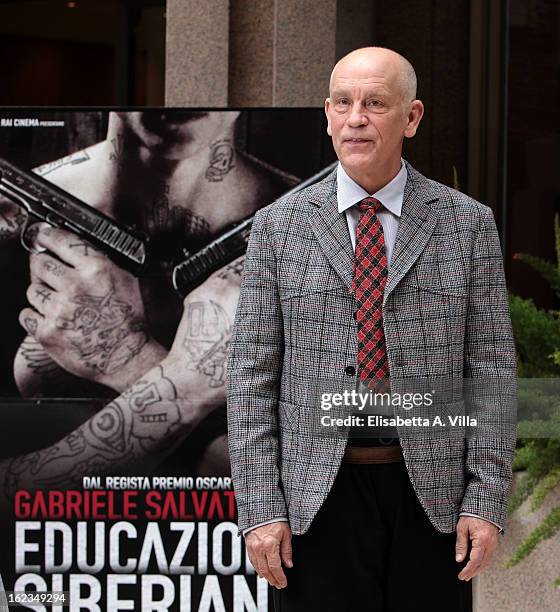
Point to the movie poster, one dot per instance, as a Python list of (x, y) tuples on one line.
[(115, 489)]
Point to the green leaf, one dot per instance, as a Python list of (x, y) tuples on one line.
[(544, 487), (523, 490), (523, 457), (545, 530)]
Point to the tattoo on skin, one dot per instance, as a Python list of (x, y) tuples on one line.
[(11, 222), (19, 218), (68, 474), (69, 160), (108, 432), (153, 418), (221, 161), (144, 421), (44, 294), (107, 335), (72, 476), (157, 417), (118, 148), (36, 358), (194, 225), (87, 249), (235, 268), (52, 267), (31, 233), (160, 217), (169, 225), (207, 340), (30, 467), (30, 325)]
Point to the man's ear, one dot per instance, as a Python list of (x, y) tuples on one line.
[(415, 114), (327, 106)]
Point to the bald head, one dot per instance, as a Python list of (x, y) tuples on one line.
[(397, 65)]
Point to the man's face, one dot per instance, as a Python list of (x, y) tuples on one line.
[(367, 116)]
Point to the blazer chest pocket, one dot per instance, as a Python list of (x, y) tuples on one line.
[(432, 315), (454, 292), (448, 300), (308, 275), (441, 312), (420, 297), (439, 278)]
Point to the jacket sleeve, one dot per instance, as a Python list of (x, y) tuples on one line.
[(253, 377), (489, 361)]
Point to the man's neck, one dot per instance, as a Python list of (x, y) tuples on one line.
[(152, 168), (374, 181)]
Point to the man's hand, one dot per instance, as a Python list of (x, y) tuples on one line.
[(86, 312), (484, 537), (269, 546)]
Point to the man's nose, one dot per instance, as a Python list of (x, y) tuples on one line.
[(357, 116)]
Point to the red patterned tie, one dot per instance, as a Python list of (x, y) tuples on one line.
[(370, 276)]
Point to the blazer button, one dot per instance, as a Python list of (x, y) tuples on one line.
[(350, 370)]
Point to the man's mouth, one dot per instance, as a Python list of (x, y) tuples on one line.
[(357, 140)]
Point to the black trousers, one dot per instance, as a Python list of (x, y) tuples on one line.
[(371, 548)]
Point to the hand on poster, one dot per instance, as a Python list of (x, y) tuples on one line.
[(86, 312), (269, 547)]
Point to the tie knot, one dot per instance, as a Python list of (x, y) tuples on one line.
[(369, 203)]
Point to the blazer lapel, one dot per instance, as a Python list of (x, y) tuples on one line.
[(331, 229), (416, 225)]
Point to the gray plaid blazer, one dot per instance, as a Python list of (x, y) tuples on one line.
[(445, 314)]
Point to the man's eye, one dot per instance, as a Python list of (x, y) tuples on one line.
[(374, 103), (342, 102)]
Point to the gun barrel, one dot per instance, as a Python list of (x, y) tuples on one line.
[(197, 267)]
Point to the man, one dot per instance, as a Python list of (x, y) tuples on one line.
[(375, 272), (94, 330)]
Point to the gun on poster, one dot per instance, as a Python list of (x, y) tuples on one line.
[(127, 247)]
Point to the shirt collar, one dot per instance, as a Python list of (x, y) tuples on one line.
[(348, 192)]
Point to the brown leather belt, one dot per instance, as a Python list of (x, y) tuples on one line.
[(372, 454)]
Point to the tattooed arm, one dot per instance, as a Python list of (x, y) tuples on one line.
[(140, 427), (133, 428)]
